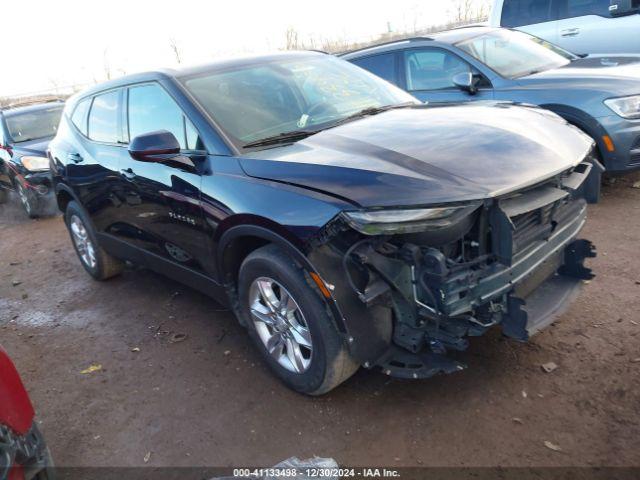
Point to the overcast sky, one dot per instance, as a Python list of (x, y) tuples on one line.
[(48, 43)]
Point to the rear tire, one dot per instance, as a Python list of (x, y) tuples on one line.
[(326, 362), (4, 195), (95, 260)]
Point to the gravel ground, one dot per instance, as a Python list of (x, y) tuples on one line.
[(207, 400)]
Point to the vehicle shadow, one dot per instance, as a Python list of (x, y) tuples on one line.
[(12, 213)]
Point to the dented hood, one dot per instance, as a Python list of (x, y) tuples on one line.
[(427, 155)]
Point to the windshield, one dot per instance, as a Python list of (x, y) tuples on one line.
[(515, 54), (33, 124), (288, 95)]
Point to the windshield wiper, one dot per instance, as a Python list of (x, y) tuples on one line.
[(281, 138), (369, 111), (300, 134)]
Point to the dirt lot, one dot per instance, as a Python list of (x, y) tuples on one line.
[(208, 400)]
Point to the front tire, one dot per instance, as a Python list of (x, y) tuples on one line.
[(28, 200), (289, 323), (95, 260)]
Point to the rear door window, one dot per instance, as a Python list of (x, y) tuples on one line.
[(103, 117), (516, 13), (432, 69), (151, 108), (383, 65)]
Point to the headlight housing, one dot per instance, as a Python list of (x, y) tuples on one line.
[(409, 220), (626, 107), (35, 164)]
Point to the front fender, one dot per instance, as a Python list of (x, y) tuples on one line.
[(292, 248)]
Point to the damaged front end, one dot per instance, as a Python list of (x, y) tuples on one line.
[(412, 289)]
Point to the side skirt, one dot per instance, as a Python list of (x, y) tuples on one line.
[(186, 276)]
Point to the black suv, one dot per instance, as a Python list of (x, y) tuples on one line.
[(345, 223), (25, 132)]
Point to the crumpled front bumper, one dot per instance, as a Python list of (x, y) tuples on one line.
[(553, 279), (404, 306)]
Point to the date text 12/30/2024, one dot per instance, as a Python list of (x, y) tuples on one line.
[(316, 473)]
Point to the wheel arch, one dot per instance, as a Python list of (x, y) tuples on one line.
[(239, 241), (64, 196)]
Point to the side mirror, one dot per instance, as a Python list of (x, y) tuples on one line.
[(156, 146), (619, 8), (467, 82)]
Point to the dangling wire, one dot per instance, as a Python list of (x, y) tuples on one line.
[(345, 267)]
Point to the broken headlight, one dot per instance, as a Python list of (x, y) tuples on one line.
[(409, 220)]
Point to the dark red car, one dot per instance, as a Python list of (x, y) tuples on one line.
[(23, 452)]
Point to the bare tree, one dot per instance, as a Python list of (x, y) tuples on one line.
[(54, 83), (469, 11), (176, 51), (293, 41), (106, 65)]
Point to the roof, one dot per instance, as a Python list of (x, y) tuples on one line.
[(193, 71), (236, 62), (385, 44), (447, 36), (462, 33)]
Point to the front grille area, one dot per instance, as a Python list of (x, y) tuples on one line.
[(531, 226), (533, 215)]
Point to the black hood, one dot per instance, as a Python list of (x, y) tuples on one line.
[(428, 155)]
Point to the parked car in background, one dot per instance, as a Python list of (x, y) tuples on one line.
[(580, 26), (23, 451), (25, 132), (343, 221), (600, 95)]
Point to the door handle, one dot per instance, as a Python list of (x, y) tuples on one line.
[(74, 157), (570, 32), (128, 173)]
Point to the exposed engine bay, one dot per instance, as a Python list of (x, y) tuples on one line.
[(512, 261)]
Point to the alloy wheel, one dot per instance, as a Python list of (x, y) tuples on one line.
[(83, 243), (280, 324)]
